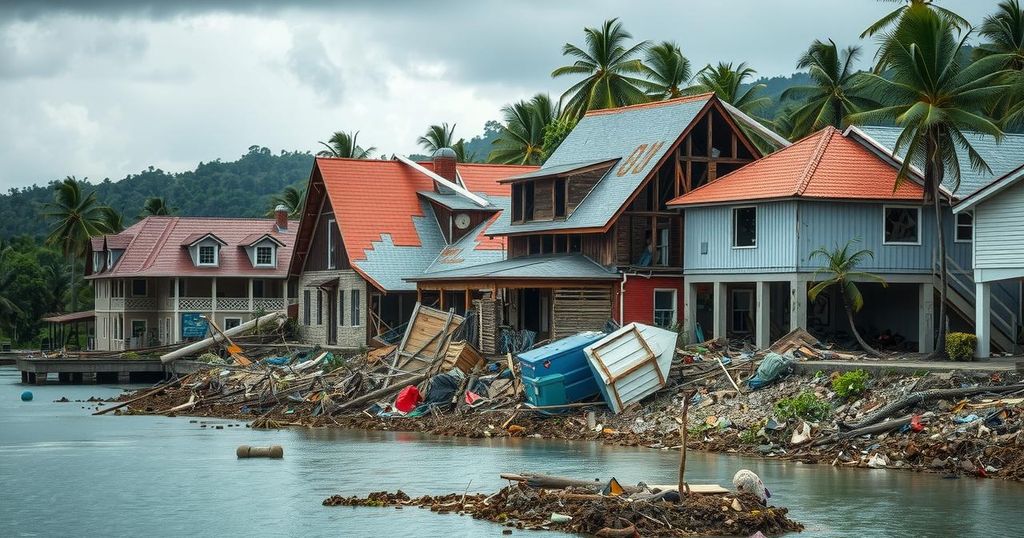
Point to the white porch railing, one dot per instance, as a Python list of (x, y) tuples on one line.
[(117, 303), (201, 304), (140, 303), (268, 304)]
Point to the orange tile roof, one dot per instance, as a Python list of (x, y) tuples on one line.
[(823, 165), (375, 197)]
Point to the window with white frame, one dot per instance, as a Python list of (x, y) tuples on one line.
[(97, 262), (744, 227), (207, 255), (231, 323), (331, 258), (265, 255), (665, 308), (902, 225), (964, 227), (110, 259)]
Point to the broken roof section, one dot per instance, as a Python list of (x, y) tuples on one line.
[(824, 165), (547, 267), (383, 212)]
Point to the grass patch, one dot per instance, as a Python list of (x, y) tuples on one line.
[(850, 384), (805, 405)]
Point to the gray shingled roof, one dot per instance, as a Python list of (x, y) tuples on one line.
[(548, 266), (463, 253), (605, 136), (389, 264), (1002, 157), (453, 201), (559, 169)]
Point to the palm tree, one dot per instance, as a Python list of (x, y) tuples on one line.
[(292, 198), (111, 220), (728, 84), (76, 218), (155, 206), (833, 94), (667, 71), (442, 136), (892, 18), (1004, 35), (933, 98), (608, 68), (8, 307), (521, 139), (841, 266), (345, 145)]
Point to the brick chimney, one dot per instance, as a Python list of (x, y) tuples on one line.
[(444, 163), (281, 217)]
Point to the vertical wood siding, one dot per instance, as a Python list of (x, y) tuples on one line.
[(776, 240)]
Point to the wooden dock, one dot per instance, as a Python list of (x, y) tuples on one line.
[(114, 370)]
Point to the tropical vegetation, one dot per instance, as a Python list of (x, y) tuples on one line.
[(833, 95), (840, 271), (345, 145)]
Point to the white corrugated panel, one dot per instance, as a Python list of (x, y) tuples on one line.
[(631, 363)]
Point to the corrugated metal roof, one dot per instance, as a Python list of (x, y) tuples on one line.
[(614, 134), (548, 266), (1002, 157)]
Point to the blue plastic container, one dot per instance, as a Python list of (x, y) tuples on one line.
[(565, 359)]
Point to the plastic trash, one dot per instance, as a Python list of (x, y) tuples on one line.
[(560, 518), (770, 369), (407, 399), (26, 396), (966, 420)]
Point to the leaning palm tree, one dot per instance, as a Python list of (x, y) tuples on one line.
[(730, 85), (934, 98), (833, 94), (521, 138), (1004, 36), (841, 268), (667, 70), (292, 198), (111, 220), (156, 206), (345, 145), (76, 218), (892, 18), (609, 69)]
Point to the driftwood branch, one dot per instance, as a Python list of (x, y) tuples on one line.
[(867, 430), (916, 398)]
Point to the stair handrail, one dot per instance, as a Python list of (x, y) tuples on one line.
[(1009, 325)]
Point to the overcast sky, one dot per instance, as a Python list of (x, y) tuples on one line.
[(106, 88)]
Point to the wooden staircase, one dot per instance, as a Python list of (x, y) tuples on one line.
[(961, 296)]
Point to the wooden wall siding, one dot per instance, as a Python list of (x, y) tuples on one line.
[(999, 230), (317, 260), (824, 224), (543, 200), (594, 247), (577, 310), (776, 241), (580, 186)]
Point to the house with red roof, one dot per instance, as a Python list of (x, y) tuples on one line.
[(370, 225), (161, 279), (751, 234), (590, 236)]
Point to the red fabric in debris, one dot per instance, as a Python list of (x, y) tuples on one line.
[(408, 399), (471, 397)]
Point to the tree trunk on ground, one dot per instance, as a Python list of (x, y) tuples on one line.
[(856, 333)]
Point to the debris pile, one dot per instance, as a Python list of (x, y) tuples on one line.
[(643, 511)]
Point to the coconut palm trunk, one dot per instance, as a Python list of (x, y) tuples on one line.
[(936, 170), (853, 328)]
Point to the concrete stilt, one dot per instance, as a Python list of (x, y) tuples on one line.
[(690, 311), (797, 304), (720, 303), (40, 378), (926, 318), (762, 330), (982, 321)]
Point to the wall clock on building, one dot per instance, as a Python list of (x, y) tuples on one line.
[(462, 221)]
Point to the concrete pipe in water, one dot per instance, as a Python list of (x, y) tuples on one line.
[(273, 451)]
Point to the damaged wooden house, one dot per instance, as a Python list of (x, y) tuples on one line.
[(589, 235)]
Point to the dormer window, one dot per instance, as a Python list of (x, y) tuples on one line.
[(265, 256), (97, 262), (207, 255)]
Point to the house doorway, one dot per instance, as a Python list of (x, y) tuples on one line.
[(742, 311), (332, 317), (138, 333)]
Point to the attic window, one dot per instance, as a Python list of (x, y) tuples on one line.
[(207, 255), (265, 256), (522, 201), (97, 262)]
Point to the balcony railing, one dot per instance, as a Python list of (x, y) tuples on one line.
[(197, 304), (268, 304)]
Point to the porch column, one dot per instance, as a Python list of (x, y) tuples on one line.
[(284, 296), (982, 322), (762, 334), (176, 323), (720, 303), (213, 296), (926, 318), (251, 304), (797, 304), (690, 311)]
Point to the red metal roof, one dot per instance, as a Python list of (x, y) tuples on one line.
[(154, 247), (374, 197), (823, 165)]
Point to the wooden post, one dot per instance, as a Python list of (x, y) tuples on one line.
[(684, 427), (440, 292), (469, 299)]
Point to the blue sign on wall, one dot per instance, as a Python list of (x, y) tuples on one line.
[(192, 325)]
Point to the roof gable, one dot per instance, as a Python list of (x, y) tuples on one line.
[(825, 165)]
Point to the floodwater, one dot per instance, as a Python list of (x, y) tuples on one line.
[(64, 472)]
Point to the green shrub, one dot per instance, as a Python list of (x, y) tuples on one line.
[(961, 346), (850, 383), (805, 405), (131, 355)]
